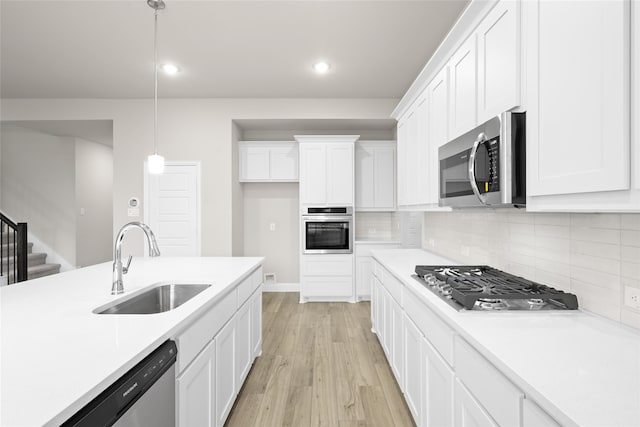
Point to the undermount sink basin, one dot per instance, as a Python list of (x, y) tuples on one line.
[(158, 299)]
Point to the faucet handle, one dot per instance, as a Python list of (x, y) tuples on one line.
[(125, 269)]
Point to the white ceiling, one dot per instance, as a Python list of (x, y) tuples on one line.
[(247, 49)]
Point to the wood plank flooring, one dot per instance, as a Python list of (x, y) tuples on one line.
[(320, 366)]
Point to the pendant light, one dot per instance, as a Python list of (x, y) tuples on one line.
[(155, 162)]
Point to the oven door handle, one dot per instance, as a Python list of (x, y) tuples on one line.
[(472, 167)]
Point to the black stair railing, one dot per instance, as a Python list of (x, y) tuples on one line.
[(13, 250)]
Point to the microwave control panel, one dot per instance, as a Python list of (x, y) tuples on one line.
[(488, 166)]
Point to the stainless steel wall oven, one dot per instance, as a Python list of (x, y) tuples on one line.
[(327, 230)]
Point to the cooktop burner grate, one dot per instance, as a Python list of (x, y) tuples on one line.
[(470, 284)]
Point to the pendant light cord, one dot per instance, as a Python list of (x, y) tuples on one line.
[(155, 96)]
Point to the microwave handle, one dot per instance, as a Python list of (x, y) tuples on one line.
[(472, 167)]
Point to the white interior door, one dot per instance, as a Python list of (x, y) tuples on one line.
[(173, 208)]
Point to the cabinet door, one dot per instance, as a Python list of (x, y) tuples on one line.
[(413, 163), (374, 304), (437, 388), (422, 153), (439, 108), (339, 174), (403, 159), (499, 60), (364, 276), (365, 176), (468, 412), (578, 96), (254, 163), (463, 89), (386, 322), (414, 377), (534, 416), (256, 324), (313, 174), (243, 342), (225, 383), (196, 391), (384, 179), (396, 342), (284, 162)]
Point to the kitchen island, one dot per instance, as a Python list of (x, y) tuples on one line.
[(57, 354), (526, 368)]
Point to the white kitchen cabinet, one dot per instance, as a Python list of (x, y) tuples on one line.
[(225, 376), (375, 303), (243, 341), (437, 388), (386, 322), (365, 266), (463, 89), (327, 277), (497, 395), (375, 177), (534, 416), (256, 324), (396, 341), (268, 161), (414, 377), (340, 174), (438, 93), (414, 156), (326, 170), (578, 92), (467, 411), (195, 388), (499, 60)]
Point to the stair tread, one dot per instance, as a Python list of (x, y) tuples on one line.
[(43, 267), (29, 256)]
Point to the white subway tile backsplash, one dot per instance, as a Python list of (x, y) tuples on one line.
[(630, 221), (591, 255), (631, 238), (595, 220)]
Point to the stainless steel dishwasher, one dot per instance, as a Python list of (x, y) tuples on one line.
[(143, 397)]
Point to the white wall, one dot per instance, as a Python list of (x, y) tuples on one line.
[(38, 182), (237, 225), (189, 129), (594, 256), (93, 194), (277, 203)]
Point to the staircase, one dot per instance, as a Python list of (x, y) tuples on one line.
[(36, 262)]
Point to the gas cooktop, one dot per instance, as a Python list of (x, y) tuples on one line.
[(483, 288)]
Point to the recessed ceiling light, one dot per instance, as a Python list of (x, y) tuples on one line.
[(169, 69), (321, 67)]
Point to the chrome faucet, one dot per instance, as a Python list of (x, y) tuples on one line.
[(117, 286)]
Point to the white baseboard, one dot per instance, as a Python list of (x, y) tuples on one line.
[(281, 287)]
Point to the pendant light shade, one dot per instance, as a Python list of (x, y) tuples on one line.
[(155, 162)]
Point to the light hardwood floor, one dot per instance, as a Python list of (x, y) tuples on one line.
[(320, 366)]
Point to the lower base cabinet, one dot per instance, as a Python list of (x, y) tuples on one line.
[(437, 388), (467, 411), (225, 371), (413, 368), (208, 383), (196, 390)]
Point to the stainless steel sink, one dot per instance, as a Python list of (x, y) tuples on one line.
[(158, 299)]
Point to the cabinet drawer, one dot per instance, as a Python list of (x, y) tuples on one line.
[(393, 285), (377, 269), (327, 265), (323, 286), (200, 332), (250, 284), (496, 394), (439, 334)]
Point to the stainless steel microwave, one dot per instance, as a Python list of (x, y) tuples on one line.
[(486, 166)]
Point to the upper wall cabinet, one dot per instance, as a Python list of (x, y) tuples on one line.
[(375, 175), (268, 161), (463, 89), (578, 97), (498, 38), (327, 170)]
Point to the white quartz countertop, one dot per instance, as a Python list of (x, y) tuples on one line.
[(582, 369), (56, 354)]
